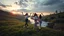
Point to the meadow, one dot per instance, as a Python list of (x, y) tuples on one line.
[(10, 26)]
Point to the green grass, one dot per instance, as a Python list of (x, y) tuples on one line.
[(10, 26), (16, 28)]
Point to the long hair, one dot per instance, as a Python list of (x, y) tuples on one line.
[(35, 14), (40, 16), (26, 14)]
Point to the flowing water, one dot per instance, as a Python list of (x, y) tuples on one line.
[(44, 24)]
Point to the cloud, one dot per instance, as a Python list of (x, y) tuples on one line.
[(49, 5), (2, 4), (27, 4), (39, 5), (24, 10), (52, 2)]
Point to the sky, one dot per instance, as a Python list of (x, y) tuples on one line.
[(36, 5)]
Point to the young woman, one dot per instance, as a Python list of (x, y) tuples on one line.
[(35, 17), (26, 19), (40, 20)]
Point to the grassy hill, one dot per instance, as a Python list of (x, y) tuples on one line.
[(10, 26), (56, 21), (58, 16)]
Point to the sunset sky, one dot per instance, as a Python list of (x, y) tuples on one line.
[(35, 5)]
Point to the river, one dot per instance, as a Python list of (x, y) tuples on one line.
[(44, 24)]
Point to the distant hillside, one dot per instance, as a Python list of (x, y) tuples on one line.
[(5, 15), (8, 18), (56, 20)]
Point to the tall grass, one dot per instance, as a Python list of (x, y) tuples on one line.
[(16, 28)]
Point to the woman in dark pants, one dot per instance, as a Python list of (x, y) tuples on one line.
[(26, 20), (40, 20)]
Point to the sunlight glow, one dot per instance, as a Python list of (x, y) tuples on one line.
[(16, 13)]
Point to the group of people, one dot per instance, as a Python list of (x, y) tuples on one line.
[(37, 19)]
